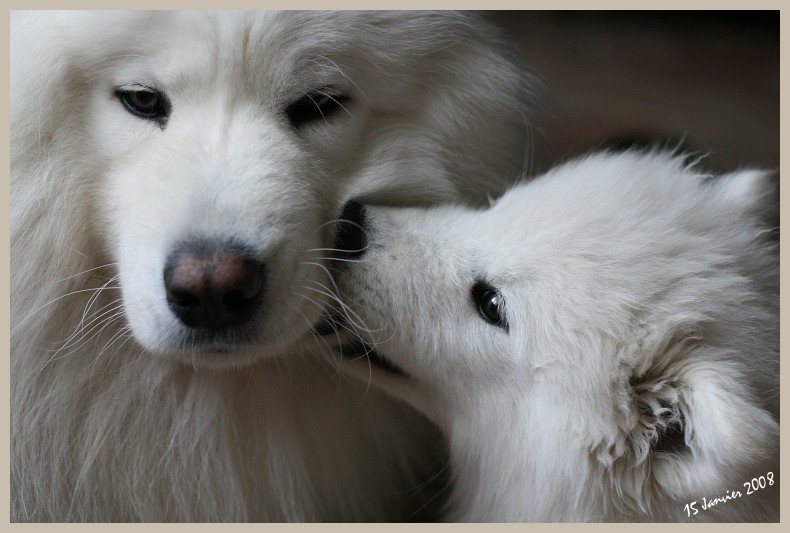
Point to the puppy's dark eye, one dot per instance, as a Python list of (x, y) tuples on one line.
[(490, 304), (315, 106), (145, 103)]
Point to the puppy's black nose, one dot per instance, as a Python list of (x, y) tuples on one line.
[(350, 240), (213, 285)]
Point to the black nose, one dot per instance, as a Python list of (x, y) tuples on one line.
[(213, 285), (350, 241)]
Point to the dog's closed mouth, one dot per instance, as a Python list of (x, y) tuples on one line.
[(213, 341), (357, 349), (331, 324)]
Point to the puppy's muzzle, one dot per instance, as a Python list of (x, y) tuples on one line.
[(213, 285), (350, 243), (350, 240)]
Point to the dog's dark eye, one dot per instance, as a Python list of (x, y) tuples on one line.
[(314, 106), (489, 304), (145, 103)]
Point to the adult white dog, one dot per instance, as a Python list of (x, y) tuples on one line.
[(175, 178), (601, 344)]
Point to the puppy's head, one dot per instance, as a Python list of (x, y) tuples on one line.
[(621, 300)]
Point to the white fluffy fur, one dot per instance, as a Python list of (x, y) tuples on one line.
[(640, 296), (115, 417)]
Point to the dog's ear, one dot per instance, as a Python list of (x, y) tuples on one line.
[(696, 426), (660, 422), (754, 193), (653, 410)]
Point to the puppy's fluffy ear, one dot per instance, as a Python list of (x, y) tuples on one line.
[(696, 428), (659, 411), (754, 193)]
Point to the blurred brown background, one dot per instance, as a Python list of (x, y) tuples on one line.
[(710, 78)]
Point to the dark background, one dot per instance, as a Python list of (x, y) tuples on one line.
[(710, 78)]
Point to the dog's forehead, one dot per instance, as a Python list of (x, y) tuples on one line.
[(196, 48), (274, 52), (199, 49)]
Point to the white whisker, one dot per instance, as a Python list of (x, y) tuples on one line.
[(33, 313)]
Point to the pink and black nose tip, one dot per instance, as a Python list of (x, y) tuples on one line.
[(350, 240), (213, 285)]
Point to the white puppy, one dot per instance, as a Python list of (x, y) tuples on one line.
[(175, 181), (601, 344)]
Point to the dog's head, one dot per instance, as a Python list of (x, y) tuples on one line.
[(219, 148), (622, 300)]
